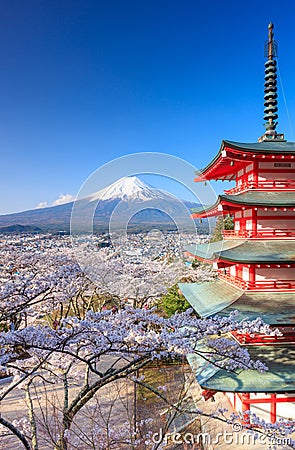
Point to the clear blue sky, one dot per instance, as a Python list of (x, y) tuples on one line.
[(86, 81)]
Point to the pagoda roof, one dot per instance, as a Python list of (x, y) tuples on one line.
[(250, 198), (246, 251), (260, 198), (212, 250), (217, 297), (279, 378), (264, 146), (220, 168)]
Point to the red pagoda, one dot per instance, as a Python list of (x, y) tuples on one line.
[(255, 262)]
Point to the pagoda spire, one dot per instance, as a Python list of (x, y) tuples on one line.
[(270, 90)]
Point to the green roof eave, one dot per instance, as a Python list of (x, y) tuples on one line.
[(258, 198), (263, 147), (264, 252), (279, 378), (247, 252), (210, 297), (251, 198), (217, 297), (212, 250), (206, 208)]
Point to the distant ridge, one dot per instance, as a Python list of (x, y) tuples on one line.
[(20, 229), (127, 195)]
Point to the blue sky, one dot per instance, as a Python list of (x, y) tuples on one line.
[(85, 81)]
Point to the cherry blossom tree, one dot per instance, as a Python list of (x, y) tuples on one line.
[(138, 284), (105, 347), (48, 281), (81, 355), (35, 283)]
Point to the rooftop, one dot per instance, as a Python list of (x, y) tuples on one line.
[(220, 166), (250, 198), (246, 251), (261, 147), (258, 198), (218, 297), (279, 378)]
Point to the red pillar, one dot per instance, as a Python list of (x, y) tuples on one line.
[(245, 407), (239, 271), (254, 222), (273, 409), (252, 277), (255, 174)]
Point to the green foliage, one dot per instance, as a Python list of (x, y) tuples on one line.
[(196, 264), (222, 223), (228, 222), (173, 302)]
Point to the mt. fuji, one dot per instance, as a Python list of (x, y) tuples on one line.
[(128, 189), (129, 201)]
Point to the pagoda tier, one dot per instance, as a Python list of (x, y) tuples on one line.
[(250, 265), (255, 214), (245, 251), (258, 165), (229, 204), (278, 379), (217, 297)]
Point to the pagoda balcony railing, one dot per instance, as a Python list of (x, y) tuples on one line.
[(233, 280), (270, 285), (286, 185), (263, 339), (282, 233)]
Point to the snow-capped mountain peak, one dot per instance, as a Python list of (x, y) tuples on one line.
[(128, 188), (130, 198)]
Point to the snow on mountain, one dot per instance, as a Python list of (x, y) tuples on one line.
[(132, 200), (129, 189)]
